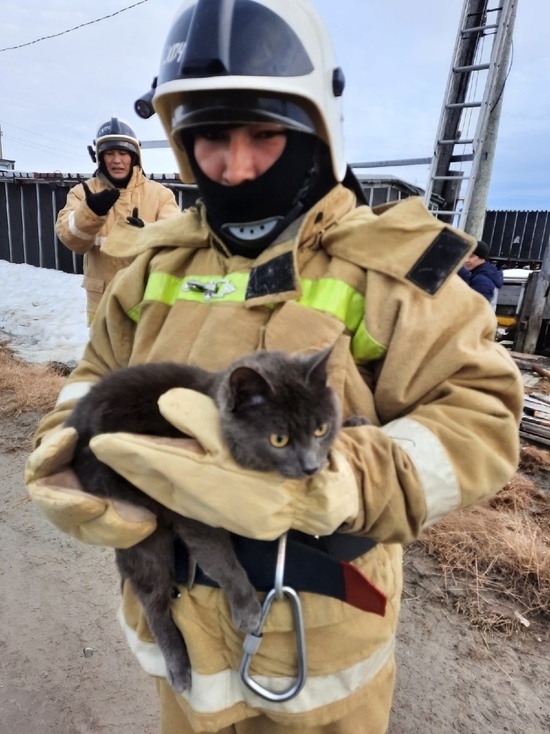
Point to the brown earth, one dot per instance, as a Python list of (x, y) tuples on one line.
[(59, 597)]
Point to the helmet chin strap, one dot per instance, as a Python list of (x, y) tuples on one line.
[(250, 216)]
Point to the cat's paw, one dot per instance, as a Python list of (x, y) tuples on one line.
[(178, 668), (356, 420), (178, 673), (247, 614)]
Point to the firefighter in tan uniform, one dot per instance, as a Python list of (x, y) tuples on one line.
[(281, 254), (118, 190)]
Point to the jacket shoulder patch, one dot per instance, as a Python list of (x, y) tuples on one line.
[(435, 265)]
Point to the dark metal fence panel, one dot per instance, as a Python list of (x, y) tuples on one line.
[(28, 210), (15, 224), (517, 238), (4, 228), (28, 214)]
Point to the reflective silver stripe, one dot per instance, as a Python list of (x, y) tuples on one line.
[(439, 481), (219, 691), (77, 232), (73, 391)]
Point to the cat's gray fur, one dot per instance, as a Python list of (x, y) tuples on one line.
[(265, 394)]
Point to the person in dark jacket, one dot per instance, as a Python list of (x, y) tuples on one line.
[(481, 275)]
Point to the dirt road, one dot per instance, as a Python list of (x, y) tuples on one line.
[(59, 597)]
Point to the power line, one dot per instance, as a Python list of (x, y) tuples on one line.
[(70, 30), (38, 147), (54, 140)]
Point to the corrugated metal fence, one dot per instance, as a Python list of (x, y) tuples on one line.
[(29, 204), (517, 238)]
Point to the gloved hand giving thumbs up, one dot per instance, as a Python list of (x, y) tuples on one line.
[(101, 202), (135, 220)]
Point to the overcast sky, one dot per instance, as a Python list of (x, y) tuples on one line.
[(395, 55)]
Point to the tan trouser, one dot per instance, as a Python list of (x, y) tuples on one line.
[(174, 721)]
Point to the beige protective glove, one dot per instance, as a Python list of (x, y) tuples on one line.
[(58, 494), (207, 485)]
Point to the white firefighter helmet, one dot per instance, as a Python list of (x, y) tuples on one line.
[(250, 60), (115, 133)]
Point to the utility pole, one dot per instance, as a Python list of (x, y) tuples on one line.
[(532, 321)]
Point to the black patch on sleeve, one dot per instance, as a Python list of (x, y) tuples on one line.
[(435, 265), (275, 276)]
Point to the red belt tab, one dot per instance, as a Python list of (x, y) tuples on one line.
[(362, 593)]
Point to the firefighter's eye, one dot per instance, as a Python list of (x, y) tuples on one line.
[(321, 431)]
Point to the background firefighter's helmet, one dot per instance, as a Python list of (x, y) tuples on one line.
[(115, 133), (247, 61)]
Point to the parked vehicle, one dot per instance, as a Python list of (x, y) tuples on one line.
[(510, 296)]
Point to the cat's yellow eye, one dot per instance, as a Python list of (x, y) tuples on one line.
[(278, 440), (321, 431)]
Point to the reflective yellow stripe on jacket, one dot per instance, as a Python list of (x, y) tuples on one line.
[(327, 294)]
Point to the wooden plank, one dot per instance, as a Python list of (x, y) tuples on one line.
[(535, 420), (540, 396), (535, 402), (529, 407), (541, 371), (538, 414), (524, 355), (534, 408), (534, 439), (529, 412), (524, 365), (536, 430)]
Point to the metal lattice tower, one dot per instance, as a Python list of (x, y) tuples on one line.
[(474, 89)]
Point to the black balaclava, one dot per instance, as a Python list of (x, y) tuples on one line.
[(118, 183), (250, 216)]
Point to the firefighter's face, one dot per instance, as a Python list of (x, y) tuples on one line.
[(232, 155), (118, 162)]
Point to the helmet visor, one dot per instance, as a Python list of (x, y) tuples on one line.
[(116, 144), (238, 107)]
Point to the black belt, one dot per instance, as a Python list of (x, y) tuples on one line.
[(317, 565)]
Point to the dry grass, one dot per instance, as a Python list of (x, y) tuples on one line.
[(534, 461), (25, 387), (499, 555)]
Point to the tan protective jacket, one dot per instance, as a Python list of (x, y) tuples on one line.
[(415, 353), (84, 232)]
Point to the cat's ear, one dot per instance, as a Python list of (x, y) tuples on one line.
[(247, 387), (317, 366)]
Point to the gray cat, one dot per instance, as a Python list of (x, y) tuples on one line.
[(276, 413)]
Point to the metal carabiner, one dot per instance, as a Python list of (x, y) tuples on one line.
[(280, 568), (252, 640)]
